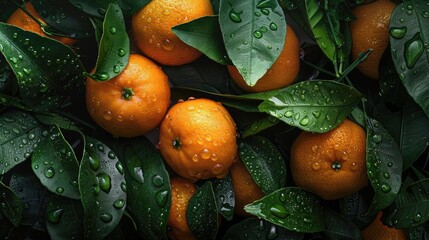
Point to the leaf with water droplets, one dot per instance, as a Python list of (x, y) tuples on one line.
[(339, 227), (55, 164), (384, 165), (201, 214), (316, 106), (292, 208), (7, 82), (114, 46), (203, 34), (264, 162), (409, 49), (225, 197), (259, 125), (101, 185), (64, 218), (10, 205), (46, 70), (252, 45), (59, 120)]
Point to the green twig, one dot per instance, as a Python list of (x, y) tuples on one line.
[(362, 56)]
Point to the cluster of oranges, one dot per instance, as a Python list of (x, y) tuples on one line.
[(198, 137)]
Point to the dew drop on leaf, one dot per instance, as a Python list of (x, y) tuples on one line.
[(104, 182), (59, 190), (413, 49), (279, 211), (118, 204), (50, 172), (161, 198), (157, 180), (94, 163), (55, 216), (106, 217), (398, 32), (235, 16)]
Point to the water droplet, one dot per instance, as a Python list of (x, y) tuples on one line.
[(386, 175), (157, 180), (112, 30), (353, 166), (235, 16), (205, 154), (279, 211), (116, 68), (50, 172), (124, 187), (107, 115), (161, 198), (398, 32), (43, 87), (94, 163), (304, 121), (265, 11), (266, 4), (104, 182), (217, 169), (257, 34), (315, 166), (273, 26), (167, 44), (102, 76), (54, 217), (385, 188), (272, 233), (425, 14), (316, 114), (376, 138), (263, 29), (413, 49), (417, 217), (288, 114), (121, 52), (59, 190), (120, 168), (106, 217), (118, 204), (138, 174)]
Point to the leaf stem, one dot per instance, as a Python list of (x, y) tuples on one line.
[(318, 68), (362, 56)]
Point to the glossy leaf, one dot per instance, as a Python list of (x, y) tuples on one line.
[(98, 8), (10, 205), (355, 206), (259, 125), (408, 39), (384, 165), (201, 213), (258, 229), (46, 69), (292, 208), (20, 135), (59, 120), (6, 77), (338, 227), (204, 34), (114, 47), (316, 106), (225, 196), (254, 33), (101, 185), (64, 218), (264, 162), (55, 164)]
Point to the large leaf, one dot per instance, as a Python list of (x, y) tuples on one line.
[(409, 35), (54, 162), (101, 185), (254, 33), (292, 208), (316, 106), (114, 47), (10, 205), (46, 70), (204, 34), (264, 162), (21, 133)]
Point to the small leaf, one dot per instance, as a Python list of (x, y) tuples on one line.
[(316, 106), (102, 185), (10, 205), (254, 33), (201, 213), (338, 227), (114, 48), (292, 208), (54, 162), (384, 165), (264, 162), (225, 196)]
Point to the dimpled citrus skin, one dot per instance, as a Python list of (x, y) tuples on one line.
[(198, 139), (281, 74), (331, 164), (371, 30), (151, 28), (377, 230)]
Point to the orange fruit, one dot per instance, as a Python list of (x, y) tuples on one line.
[(132, 103), (245, 188), (21, 19), (281, 74), (331, 164), (371, 30), (182, 190), (151, 27), (376, 230), (198, 139)]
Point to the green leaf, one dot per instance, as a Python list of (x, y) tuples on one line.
[(55, 164), (59, 120), (316, 106), (98, 8), (225, 196), (64, 218), (264, 163), (7, 80), (201, 213), (10, 205), (148, 187), (384, 165), (292, 208), (102, 188), (114, 48), (46, 70), (296, 9), (338, 227), (254, 33), (354, 208), (259, 125), (408, 38), (258, 229), (7, 7), (204, 34), (20, 135)]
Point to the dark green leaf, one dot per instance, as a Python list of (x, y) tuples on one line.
[(10, 205), (264, 162), (6, 77), (316, 106), (259, 125), (254, 33), (98, 8), (55, 164), (292, 208), (338, 227), (20, 135), (114, 48), (201, 213), (204, 34), (417, 233), (384, 165), (7, 7), (102, 188), (355, 206), (46, 70), (59, 120), (408, 40), (259, 229), (64, 218), (148, 187), (296, 9), (225, 196)]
